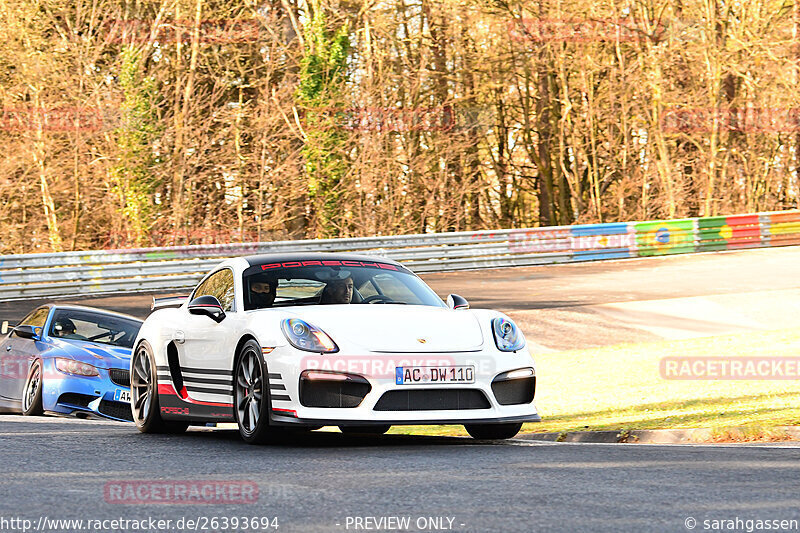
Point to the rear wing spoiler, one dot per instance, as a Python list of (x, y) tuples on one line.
[(166, 302)]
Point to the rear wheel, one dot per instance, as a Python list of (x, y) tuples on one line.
[(32, 393), (493, 431), (144, 394), (365, 430), (251, 405)]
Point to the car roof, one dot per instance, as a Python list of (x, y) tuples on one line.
[(315, 256), (93, 310)]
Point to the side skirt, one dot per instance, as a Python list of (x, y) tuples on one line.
[(174, 407)]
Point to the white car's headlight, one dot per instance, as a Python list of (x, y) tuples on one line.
[(507, 336), (304, 336)]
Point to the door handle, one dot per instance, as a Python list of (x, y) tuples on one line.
[(179, 337), (8, 348)]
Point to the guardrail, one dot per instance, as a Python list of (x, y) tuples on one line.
[(71, 274)]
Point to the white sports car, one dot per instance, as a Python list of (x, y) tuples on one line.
[(310, 340)]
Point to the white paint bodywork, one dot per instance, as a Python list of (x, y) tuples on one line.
[(372, 341)]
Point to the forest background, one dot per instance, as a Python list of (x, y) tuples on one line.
[(165, 122)]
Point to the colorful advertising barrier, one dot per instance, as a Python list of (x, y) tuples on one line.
[(180, 267)]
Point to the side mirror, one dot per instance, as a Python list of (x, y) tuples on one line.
[(26, 332), (209, 306), (454, 301), (4, 327)]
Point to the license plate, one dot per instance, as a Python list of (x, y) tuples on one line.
[(417, 375), (122, 395)]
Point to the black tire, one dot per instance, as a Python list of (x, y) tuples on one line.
[(251, 399), (32, 392), (493, 431), (144, 394), (365, 430)]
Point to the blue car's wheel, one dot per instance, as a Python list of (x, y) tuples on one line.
[(144, 394), (32, 393)]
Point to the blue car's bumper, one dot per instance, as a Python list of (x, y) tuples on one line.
[(73, 394)]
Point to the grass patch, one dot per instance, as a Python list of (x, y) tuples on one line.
[(620, 387)]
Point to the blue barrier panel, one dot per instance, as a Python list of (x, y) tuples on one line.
[(603, 241)]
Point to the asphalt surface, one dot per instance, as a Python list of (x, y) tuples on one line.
[(62, 469), (68, 468)]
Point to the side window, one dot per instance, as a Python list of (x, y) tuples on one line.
[(219, 285), (36, 318)]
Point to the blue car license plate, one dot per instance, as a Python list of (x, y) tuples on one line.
[(122, 395)]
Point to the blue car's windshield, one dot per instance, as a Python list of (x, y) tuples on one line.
[(75, 324)]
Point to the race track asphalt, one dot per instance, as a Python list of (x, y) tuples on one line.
[(63, 468), (67, 468)]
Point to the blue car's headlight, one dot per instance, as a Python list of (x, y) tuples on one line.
[(304, 336), (507, 336), (71, 366)]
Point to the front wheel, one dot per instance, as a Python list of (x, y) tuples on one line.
[(493, 431), (32, 393), (251, 404), (144, 394)]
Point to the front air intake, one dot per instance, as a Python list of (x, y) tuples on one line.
[(332, 390), (514, 391), (120, 376), (432, 400)]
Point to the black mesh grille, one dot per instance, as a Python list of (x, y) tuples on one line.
[(514, 391), (116, 409), (78, 400), (325, 393), (432, 400), (120, 376)]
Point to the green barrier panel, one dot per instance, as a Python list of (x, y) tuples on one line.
[(665, 237), (712, 234)]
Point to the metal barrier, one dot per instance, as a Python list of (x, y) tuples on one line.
[(71, 274)]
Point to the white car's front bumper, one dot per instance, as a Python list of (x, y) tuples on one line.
[(406, 404)]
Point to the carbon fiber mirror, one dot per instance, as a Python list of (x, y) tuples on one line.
[(209, 306), (454, 301)]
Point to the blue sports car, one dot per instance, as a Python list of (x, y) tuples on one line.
[(66, 359)]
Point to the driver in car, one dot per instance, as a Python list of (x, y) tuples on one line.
[(262, 292), (338, 291), (65, 328)]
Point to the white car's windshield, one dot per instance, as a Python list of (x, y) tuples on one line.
[(333, 282)]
